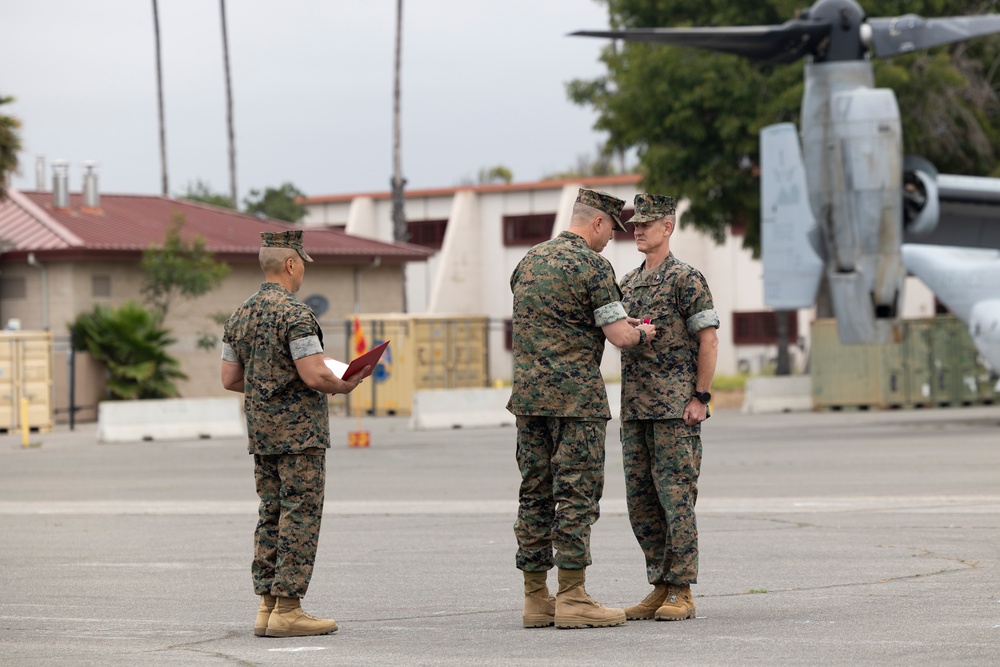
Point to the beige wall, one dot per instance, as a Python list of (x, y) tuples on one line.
[(379, 290)]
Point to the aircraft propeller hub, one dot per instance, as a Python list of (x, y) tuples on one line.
[(842, 14)]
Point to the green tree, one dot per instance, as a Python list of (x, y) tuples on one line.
[(10, 145), (694, 116), (281, 203), (133, 348), (178, 268), (495, 174), (201, 191)]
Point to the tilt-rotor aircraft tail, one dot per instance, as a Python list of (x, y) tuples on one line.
[(966, 280), (849, 183)]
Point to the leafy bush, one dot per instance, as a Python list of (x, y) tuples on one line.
[(133, 347)]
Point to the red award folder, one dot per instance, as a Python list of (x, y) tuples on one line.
[(369, 358)]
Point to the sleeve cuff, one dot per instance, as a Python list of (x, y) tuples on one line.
[(305, 347), (229, 354), (612, 312), (702, 320)]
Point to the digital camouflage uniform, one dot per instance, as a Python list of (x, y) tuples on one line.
[(662, 455), (289, 430), (564, 292)]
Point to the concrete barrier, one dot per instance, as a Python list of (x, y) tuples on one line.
[(470, 408), (170, 419), (787, 393), (460, 408)]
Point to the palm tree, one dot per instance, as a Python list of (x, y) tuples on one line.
[(159, 92), (229, 107), (10, 144), (133, 349)]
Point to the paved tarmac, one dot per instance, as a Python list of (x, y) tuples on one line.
[(826, 539)]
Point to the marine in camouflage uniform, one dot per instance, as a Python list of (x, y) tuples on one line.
[(661, 413), (288, 425), (564, 294)]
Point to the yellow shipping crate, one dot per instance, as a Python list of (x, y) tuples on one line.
[(425, 352), (26, 373)]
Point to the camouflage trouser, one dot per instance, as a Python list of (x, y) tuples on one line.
[(291, 488), (562, 478), (662, 461)]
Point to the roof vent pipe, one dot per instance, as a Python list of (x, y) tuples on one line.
[(91, 193), (60, 183), (40, 173)]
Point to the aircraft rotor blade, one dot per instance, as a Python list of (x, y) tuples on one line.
[(904, 34), (783, 43)]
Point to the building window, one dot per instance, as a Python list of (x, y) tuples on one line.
[(13, 288), (100, 286), (519, 230), (427, 233), (761, 328), (625, 217)]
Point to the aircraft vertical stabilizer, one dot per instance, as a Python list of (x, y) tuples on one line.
[(792, 269)]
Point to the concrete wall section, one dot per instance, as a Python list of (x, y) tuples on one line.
[(457, 286), (460, 408), (361, 218), (170, 419), (766, 395)]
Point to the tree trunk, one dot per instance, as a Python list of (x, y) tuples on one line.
[(229, 109), (159, 93)]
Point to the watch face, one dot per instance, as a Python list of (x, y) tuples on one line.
[(703, 396)]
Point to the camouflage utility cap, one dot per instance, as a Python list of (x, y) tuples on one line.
[(290, 239), (653, 207), (602, 201)]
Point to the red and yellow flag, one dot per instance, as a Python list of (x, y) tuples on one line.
[(358, 343)]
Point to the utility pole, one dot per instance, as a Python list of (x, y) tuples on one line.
[(399, 229), (229, 109), (159, 92)]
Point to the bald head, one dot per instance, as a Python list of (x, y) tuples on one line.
[(583, 214), (272, 260)]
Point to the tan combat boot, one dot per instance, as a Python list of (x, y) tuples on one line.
[(263, 613), (646, 609), (678, 606), (539, 606), (576, 609), (288, 620)]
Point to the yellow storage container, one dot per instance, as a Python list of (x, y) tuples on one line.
[(854, 375), (934, 363), (26, 373), (425, 352)]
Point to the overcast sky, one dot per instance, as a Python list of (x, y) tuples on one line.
[(483, 84)]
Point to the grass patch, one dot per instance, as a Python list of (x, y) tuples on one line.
[(729, 382), (755, 591)]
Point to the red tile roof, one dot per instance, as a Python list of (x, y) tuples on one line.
[(588, 181), (128, 224)]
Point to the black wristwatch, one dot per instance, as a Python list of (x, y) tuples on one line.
[(703, 396), (642, 336)]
